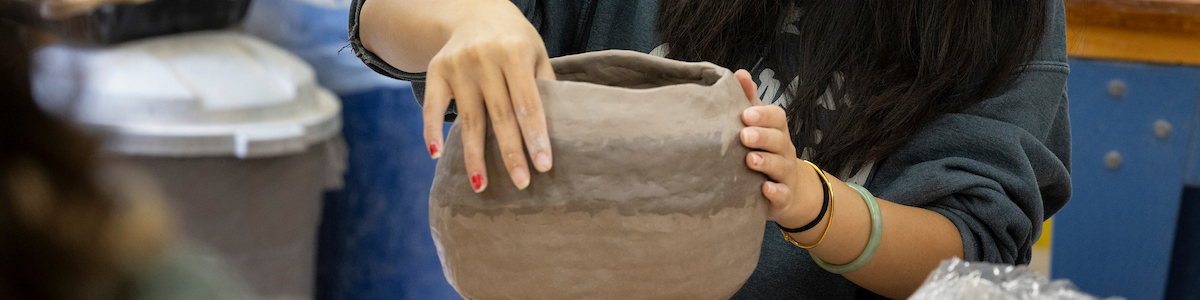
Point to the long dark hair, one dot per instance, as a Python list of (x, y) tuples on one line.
[(898, 65)]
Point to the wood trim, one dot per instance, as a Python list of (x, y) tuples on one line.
[(1160, 15), (1159, 31)]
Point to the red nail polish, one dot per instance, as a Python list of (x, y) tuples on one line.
[(433, 149), (477, 181), (757, 159)]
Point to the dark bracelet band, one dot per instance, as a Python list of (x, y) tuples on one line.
[(824, 207)]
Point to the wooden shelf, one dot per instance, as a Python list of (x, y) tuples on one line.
[(1160, 31)]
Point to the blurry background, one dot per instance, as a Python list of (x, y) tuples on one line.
[(1132, 227), (285, 159), (291, 162)]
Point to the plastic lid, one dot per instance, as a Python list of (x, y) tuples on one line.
[(198, 94)]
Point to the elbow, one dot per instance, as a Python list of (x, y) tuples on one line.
[(392, 39)]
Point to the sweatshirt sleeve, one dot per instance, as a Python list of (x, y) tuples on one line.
[(996, 171), (382, 67), (995, 180), (1000, 168)]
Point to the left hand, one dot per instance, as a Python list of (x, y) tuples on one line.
[(767, 131)]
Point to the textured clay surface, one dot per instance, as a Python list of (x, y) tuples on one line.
[(649, 197)]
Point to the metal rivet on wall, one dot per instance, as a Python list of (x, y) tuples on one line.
[(1162, 129), (1116, 88), (1112, 160)]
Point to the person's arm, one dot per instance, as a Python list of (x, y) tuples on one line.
[(483, 54), (914, 240), (975, 186)]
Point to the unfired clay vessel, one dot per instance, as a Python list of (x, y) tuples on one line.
[(649, 196)]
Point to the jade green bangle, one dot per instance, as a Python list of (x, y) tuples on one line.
[(872, 242)]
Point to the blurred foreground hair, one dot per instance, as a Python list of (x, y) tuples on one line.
[(61, 237)]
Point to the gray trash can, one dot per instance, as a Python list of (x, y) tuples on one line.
[(237, 132)]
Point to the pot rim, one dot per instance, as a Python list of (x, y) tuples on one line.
[(640, 62)]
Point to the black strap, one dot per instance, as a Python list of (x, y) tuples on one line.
[(824, 207)]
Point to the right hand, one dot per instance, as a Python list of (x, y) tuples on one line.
[(490, 65)]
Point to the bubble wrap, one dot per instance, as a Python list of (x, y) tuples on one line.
[(957, 279)]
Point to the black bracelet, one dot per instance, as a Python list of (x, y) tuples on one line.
[(824, 206)]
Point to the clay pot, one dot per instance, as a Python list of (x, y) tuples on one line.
[(649, 197)]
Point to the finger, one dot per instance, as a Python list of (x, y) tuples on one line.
[(532, 119), (769, 116), (748, 86), (504, 124), (545, 71), (473, 124), (779, 194), (777, 167), (437, 98), (767, 139)]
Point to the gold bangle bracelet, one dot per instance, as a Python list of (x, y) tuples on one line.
[(830, 212)]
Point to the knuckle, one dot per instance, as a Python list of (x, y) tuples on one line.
[(511, 43), (776, 163), (433, 121), (473, 54), (765, 136), (522, 109), (505, 50), (509, 162), (438, 62), (513, 155), (458, 58), (472, 123), (500, 115), (767, 161), (448, 63)]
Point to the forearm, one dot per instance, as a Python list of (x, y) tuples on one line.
[(408, 33), (914, 241)]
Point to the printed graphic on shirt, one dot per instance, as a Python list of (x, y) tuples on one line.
[(772, 92)]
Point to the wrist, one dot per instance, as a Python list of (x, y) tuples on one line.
[(807, 200)]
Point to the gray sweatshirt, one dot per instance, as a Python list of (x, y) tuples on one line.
[(996, 170)]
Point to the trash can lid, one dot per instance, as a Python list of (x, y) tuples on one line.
[(197, 94)]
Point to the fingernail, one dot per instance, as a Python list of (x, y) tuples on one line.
[(477, 182), (433, 151), (755, 159), (520, 178), (542, 162), (749, 135), (750, 115)]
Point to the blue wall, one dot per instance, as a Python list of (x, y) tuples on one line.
[(1116, 235)]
